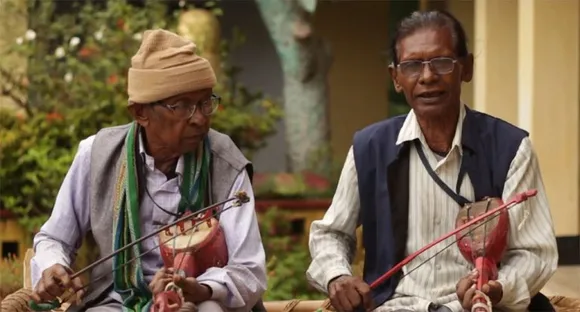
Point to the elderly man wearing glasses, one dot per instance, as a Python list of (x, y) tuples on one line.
[(406, 179), (127, 181)]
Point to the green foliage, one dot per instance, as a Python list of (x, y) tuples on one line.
[(291, 185), (74, 84), (248, 117), (288, 259), (35, 154), (318, 181)]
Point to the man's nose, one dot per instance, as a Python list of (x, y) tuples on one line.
[(198, 118), (427, 75)]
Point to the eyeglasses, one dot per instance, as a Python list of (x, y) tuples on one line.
[(439, 65), (184, 110)]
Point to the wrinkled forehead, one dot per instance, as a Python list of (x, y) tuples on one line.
[(191, 96), (426, 43)]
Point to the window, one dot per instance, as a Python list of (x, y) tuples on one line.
[(9, 249)]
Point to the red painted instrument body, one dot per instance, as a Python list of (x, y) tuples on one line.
[(483, 244), (190, 254)]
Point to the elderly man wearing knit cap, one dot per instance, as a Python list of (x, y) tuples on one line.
[(127, 181)]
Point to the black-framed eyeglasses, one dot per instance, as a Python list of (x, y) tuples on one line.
[(184, 110), (439, 65)]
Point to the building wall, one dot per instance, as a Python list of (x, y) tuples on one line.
[(527, 72), (359, 77), (13, 238)]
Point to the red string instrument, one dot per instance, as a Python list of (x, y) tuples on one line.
[(485, 251), (483, 244), (191, 247), (191, 255)]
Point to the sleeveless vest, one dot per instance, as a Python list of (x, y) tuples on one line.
[(227, 162), (489, 146)]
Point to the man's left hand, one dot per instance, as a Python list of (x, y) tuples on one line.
[(193, 291), (494, 291), (466, 290)]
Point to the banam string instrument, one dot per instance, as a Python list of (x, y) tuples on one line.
[(481, 234), (190, 245)]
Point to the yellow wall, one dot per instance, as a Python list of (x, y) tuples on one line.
[(548, 99), (358, 78), (10, 231), (464, 11), (527, 72)]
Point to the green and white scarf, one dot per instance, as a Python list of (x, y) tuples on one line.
[(129, 281)]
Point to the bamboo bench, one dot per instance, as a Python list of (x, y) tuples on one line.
[(18, 301)]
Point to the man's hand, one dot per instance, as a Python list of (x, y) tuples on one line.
[(163, 277), (466, 290), (193, 291), (55, 281), (348, 292)]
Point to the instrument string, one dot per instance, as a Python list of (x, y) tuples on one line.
[(495, 215), (214, 213)]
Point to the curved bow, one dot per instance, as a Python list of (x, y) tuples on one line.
[(518, 198), (240, 198)]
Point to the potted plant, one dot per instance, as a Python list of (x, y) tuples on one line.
[(292, 191)]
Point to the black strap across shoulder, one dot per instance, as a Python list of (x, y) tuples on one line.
[(460, 200)]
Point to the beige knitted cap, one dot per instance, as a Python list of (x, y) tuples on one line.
[(166, 65)]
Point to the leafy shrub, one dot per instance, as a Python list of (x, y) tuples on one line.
[(288, 260), (75, 83)]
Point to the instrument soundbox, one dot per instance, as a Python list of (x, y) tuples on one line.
[(191, 252), (483, 244)]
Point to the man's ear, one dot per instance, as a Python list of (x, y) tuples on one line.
[(467, 73), (393, 73), (139, 113)]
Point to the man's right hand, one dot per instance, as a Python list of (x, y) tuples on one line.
[(55, 281), (348, 293)]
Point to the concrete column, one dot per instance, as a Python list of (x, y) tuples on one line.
[(496, 58), (548, 99)]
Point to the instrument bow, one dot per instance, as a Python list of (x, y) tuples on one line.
[(479, 301), (172, 296)]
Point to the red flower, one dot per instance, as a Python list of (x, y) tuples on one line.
[(120, 23), (315, 181), (260, 178), (86, 52), (53, 116), (113, 79), (285, 178)]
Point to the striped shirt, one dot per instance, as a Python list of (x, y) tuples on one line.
[(531, 258)]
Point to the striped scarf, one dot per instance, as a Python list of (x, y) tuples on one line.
[(129, 280)]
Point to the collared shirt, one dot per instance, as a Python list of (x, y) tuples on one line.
[(238, 285), (528, 264)]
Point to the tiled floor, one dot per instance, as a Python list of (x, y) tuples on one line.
[(565, 282)]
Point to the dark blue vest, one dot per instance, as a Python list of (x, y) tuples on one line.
[(489, 145)]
